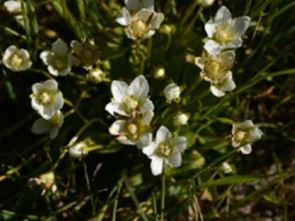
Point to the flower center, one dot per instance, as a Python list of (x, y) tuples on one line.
[(132, 128), (59, 62), (223, 34), (130, 103), (164, 149), (45, 97), (139, 28), (212, 69), (16, 60), (240, 136)]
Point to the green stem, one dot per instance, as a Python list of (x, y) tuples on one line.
[(89, 187), (163, 196)]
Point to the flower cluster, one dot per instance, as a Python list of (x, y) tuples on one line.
[(135, 111), (224, 35)]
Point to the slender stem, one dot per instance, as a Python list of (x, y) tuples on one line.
[(89, 187), (114, 217), (163, 196)]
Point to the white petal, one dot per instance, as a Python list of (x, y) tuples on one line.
[(222, 14), (124, 140), (47, 112), (157, 20), (246, 124), (117, 127), (179, 143), (150, 149), (240, 25), (149, 34), (210, 28), (119, 90), (40, 126), (54, 132), (65, 72), (59, 101), (13, 6), (139, 87), (52, 70), (147, 117), (157, 165), (175, 160), (237, 43), (216, 91), (247, 149), (145, 141), (255, 134), (59, 47), (228, 58), (115, 108), (212, 47), (44, 55), (147, 106), (228, 85), (50, 84), (124, 18), (162, 134)]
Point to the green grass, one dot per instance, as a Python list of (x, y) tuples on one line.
[(114, 182)]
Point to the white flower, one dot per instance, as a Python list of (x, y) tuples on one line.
[(224, 32), (206, 3), (129, 99), (86, 54), (46, 98), (244, 134), (58, 59), (133, 130), (140, 19), (172, 92), (13, 6), (216, 70), (226, 168), (16, 59), (165, 150), (78, 150), (181, 119), (96, 75), (50, 126)]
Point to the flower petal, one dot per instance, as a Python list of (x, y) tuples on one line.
[(119, 90), (150, 149), (50, 84), (147, 106), (240, 25), (124, 18), (157, 165), (175, 160), (147, 117), (212, 47), (157, 20), (135, 5), (145, 141), (216, 91), (162, 134), (228, 84), (114, 107), (210, 28), (222, 14), (59, 47), (117, 127), (40, 126), (247, 149), (237, 43), (179, 143), (139, 87)]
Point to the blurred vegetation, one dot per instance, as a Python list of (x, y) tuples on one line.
[(115, 182)]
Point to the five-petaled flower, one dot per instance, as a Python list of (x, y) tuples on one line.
[(224, 32), (59, 59), (46, 98), (129, 99), (140, 19), (165, 150), (50, 126), (130, 131), (16, 59), (217, 71), (244, 134)]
